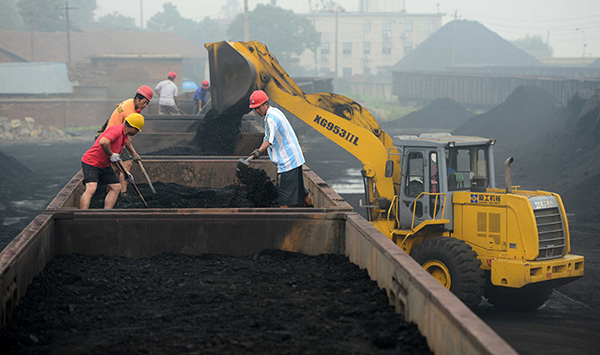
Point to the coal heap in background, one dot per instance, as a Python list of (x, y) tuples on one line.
[(527, 114), (474, 44), (15, 180), (555, 148), (443, 114), (587, 122), (218, 134), (595, 63), (255, 190), (12, 175), (273, 302)]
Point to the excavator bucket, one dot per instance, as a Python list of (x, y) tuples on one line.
[(232, 78)]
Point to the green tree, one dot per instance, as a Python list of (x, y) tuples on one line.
[(198, 33), (170, 20), (83, 15), (286, 34), (209, 30), (42, 15), (114, 22), (535, 46), (50, 15), (10, 18)]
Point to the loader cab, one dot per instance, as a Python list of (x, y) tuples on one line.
[(434, 167)]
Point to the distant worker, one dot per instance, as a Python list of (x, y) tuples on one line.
[(281, 143), (142, 98), (96, 162), (167, 104), (200, 97)]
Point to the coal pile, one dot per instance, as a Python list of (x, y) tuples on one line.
[(588, 119), (443, 114), (255, 190), (218, 134), (12, 175), (474, 44), (529, 113), (176, 151), (15, 181), (272, 302)]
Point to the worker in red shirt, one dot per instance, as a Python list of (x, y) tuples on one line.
[(96, 162), (141, 99)]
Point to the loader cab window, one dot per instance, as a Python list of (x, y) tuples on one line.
[(414, 177), (463, 163)]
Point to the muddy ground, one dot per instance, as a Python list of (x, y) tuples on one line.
[(272, 302)]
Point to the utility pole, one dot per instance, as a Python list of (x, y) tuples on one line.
[(584, 44), (336, 42), (142, 14), (246, 22), (310, 9), (67, 8), (454, 37)]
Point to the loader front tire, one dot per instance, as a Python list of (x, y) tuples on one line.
[(455, 265)]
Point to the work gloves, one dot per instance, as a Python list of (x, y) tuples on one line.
[(136, 158), (115, 157), (255, 153), (129, 178)]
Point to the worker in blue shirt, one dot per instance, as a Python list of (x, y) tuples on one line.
[(201, 97)]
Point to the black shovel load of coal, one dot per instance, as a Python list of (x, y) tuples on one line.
[(242, 166)]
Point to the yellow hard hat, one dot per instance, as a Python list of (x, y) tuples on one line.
[(135, 120)]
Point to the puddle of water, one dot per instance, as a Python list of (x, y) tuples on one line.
[(30, 204), (12, 220), (350, 181)]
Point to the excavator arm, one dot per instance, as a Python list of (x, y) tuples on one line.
[(239, 68)]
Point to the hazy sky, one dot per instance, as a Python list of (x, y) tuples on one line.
[(555, 20)]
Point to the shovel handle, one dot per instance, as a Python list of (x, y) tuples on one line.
[(146, 176), (134, 185)]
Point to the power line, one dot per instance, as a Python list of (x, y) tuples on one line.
[(530, 20)]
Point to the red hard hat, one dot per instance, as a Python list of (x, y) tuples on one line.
[(145, 91), (172, 74), (205, 84), (258, 98)]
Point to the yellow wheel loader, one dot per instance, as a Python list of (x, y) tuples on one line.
[(434, 195)]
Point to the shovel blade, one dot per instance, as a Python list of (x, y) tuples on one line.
[(242, 167)]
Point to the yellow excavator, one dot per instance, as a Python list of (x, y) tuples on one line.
[(434, 195)]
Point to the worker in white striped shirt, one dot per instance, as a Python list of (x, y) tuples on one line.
[(284, 151)]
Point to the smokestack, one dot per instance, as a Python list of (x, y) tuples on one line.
[(507, 177)]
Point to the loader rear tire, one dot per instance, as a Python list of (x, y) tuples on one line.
[(455, 265), (515, 299)]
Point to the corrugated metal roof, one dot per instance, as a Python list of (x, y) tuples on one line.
[(34, 78)]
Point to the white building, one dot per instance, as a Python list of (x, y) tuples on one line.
[(366, 42)]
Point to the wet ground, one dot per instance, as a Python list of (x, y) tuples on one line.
[(273, 302)]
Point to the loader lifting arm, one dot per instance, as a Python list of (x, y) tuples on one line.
[(239, 68)]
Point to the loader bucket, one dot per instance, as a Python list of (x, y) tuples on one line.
[(232, 78)]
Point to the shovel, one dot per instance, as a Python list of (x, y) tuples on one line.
[(242, 166), (146, 175), (134, 185)]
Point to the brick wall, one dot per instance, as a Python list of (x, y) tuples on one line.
[(60, 113)]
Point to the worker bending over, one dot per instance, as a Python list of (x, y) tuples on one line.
[(284, 151), (96, 162), (142, 98)]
